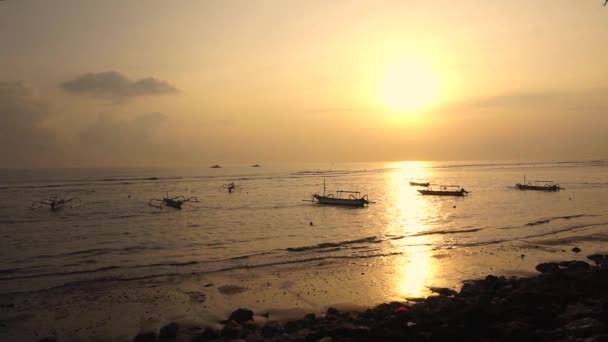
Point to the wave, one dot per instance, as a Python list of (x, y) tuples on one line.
[(41, 275), (193, 273), (566, 217), (369, 239), (446, 232), (574, 239), (514, 164), (97, 251), (521, 238), (571, 228)]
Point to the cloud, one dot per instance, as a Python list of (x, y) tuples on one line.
[(24, 141), (112, 84)]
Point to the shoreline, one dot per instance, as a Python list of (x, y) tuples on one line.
[(567, 301), (560, 301)]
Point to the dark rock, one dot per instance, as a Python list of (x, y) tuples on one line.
[(513, 330), (444, 291), (567, 302), (585, 327), (332, 312), (169, 331), (574, 312), (575, 266), (241, 315), (310, 316), (232, 329), (271, 329), (145, 337), (293, 326), (438, 303), (547, 267), (208, 334), (348, 329), (48, 339), (302, 334), (576, 250), (599, 259)]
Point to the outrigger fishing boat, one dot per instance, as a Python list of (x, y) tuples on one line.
[(56, 202), (444, 190), (541, 185), (420, 184), (341, 197), (173, 202), (216, 166), (231, 187)]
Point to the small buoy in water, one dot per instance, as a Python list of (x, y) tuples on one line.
[(454, 206), (129, 196), (310, 223), (569, 198), (576, 250), (523, 256)]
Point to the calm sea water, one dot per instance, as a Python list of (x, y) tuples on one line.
[(115, 235)]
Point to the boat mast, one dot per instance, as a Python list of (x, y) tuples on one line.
[(323, 186)]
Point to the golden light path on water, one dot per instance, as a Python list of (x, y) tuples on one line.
[(415, 269)]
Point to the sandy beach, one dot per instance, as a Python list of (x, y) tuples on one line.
[(117, 311)]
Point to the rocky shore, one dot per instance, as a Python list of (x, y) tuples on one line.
[(567, 301)]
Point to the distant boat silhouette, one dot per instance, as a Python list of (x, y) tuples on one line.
[(216, 167), (420, 184), (354, 198), (255, 165), (445, 190), (542, 185)]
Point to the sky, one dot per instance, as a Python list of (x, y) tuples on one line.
[(87, 83)]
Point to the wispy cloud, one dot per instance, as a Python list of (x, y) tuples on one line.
[(114, 85)]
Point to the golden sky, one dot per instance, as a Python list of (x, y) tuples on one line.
[(129, 83)]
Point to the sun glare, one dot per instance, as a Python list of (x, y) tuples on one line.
[(408, 88)]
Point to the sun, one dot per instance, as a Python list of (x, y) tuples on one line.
[(408, 87)]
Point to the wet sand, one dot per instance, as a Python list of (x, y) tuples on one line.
[(118, 311)]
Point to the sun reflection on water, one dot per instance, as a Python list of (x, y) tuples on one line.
[(415, 269)]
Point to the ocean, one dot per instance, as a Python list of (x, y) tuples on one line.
[(115, 234), (402, 243)]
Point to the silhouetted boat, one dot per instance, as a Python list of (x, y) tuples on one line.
[(215, 167), (354, 198), (420, 184), (173, 202), (57, 202), (445, 190), (255, 165), (540, 185)]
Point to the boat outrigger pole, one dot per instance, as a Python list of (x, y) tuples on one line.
[(175, 202), (57, 202)]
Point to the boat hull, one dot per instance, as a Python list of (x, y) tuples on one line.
[(419, 184), (173, 203), (537, 187), (441, 193), (351, 202)]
